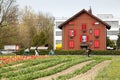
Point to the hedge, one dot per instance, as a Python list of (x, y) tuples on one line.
[(72, 52), (106, 52), (82, 52), (32, 52)]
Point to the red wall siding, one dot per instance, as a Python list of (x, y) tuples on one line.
[(84, 18)]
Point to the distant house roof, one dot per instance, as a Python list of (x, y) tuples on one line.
[(90, 14)]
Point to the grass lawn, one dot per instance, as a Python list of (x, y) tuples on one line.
[(112, 72)]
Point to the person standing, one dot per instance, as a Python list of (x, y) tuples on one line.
[(36, 52), (26, 51), (51, 52), (89, 52)]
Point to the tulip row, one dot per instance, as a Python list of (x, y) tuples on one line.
[(10, 59), (33, 65), (41, 67), (33, 68), (38, 74), (80, 71), (28, 63)]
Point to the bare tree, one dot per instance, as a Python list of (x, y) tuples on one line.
[(8, 22), (45, 23), (27, 27), (7, 10)]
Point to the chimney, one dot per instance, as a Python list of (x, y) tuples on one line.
[(90, 10)]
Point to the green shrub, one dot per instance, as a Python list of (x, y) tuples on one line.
[(82, 52), (72, 52), (20, 52), (106, 52), (32, 52)]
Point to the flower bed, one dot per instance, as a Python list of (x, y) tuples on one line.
[(10, 59)]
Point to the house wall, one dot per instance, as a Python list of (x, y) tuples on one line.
[(84, 18)]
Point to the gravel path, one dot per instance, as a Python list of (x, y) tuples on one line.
[(92, 73), (69, 70)]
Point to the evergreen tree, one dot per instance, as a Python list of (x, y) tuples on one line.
[(118, 40), (110, 43), (39, 39)]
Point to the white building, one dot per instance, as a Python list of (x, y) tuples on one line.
[(109, 18), (114, 22), (58, 32)]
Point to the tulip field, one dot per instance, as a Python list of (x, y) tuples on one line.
[(47, 67), (10, 59)]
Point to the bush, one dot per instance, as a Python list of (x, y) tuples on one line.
[(82, 52), (32, 52), (72, 52), (106, 52), (69, 52), (20, 52)]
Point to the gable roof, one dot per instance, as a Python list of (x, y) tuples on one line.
[(82, 11)]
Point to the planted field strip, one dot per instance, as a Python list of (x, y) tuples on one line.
[(69, 70), (10, 59), (13, 66), (111, 72), (45, 63), (65, 66), (80, 71), (34, 75), (35, 68), (90, 74), (27, 64), (14, 63)]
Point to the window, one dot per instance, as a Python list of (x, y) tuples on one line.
[(71, 23), (58, 41), (58, 33), (95, 23), (90, 31), (71, 44), (84, 38), (112, 32), (83, 27), (96, 32), (96, 44), (72, 33), (91, 42), (58, 23), (114, 24)]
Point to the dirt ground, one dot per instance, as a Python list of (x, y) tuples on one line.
[(92, 73), (89, 75), (69, 70)]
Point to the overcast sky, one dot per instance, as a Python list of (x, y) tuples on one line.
[(67, 8)]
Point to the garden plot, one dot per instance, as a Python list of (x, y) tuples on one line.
[(53, 67), (69, 70)]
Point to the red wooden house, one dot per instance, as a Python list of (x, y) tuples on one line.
[(84, 30)]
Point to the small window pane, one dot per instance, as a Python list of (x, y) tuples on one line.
[(83, 38), (83, 26), (96, 44), (58, 41), (71, 23), (58, 33), (91, 42), (71, 44), (58, 23), (71, 33), (90, 31), (96, 32)]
